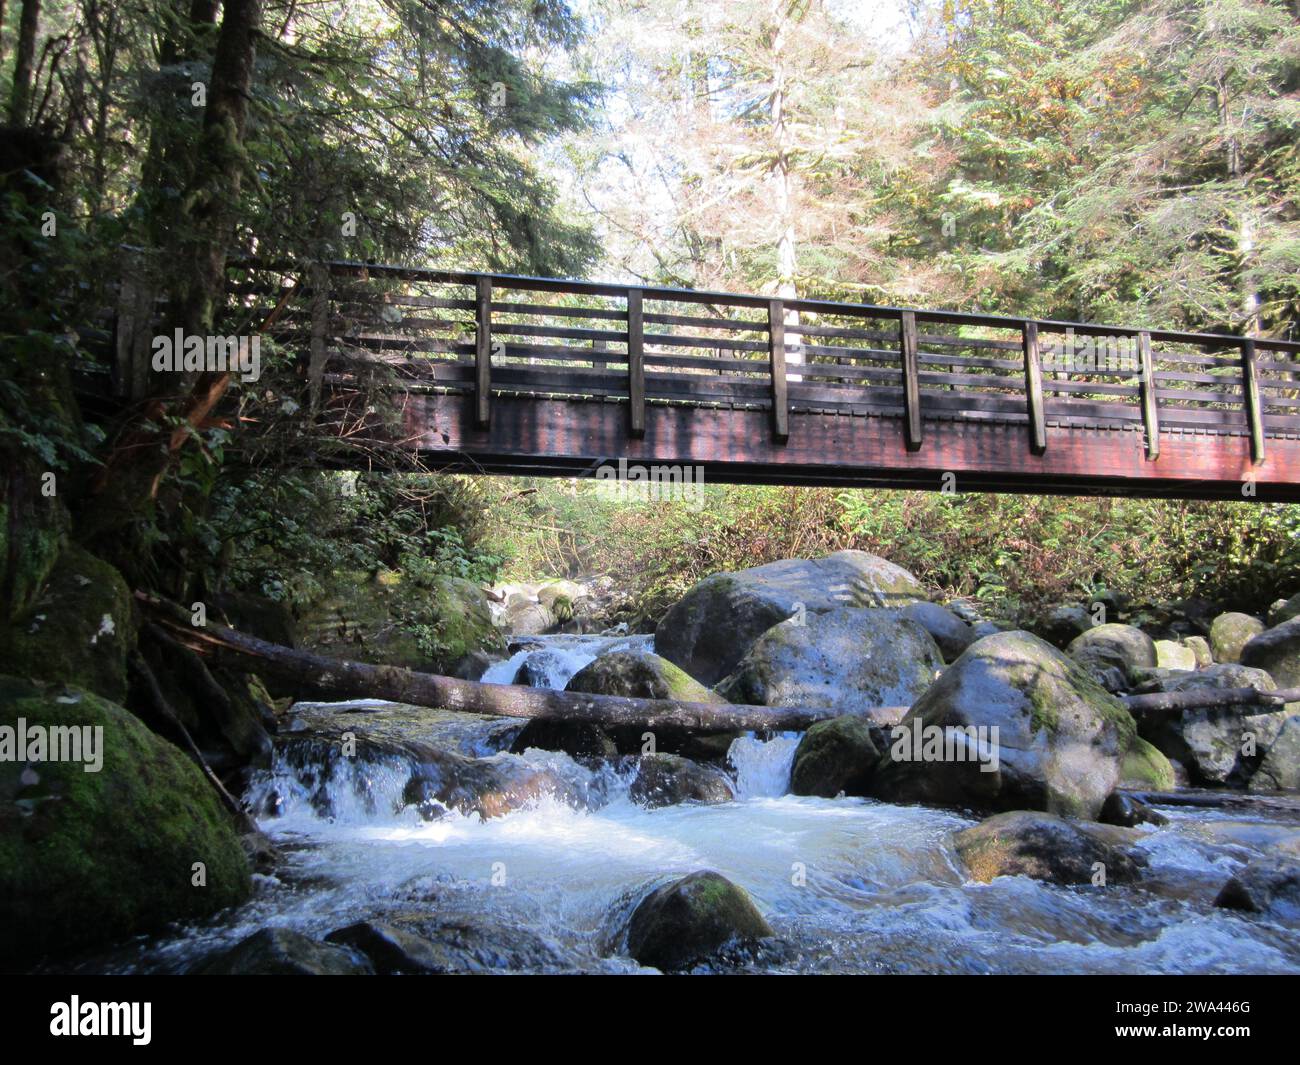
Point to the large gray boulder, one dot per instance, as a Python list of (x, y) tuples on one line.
[(1060, 624), (687, 921), (1278, 651), (1268, 885), (1060, 743), (845, 659), (710, 628), (1284, 610), (1212, 743), (1230, 632), (951, 633), (1111, 653)]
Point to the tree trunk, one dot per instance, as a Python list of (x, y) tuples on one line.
[(24, 61), (337, 678)]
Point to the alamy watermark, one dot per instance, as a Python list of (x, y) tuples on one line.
[(947, 743), (54, 743), (1090, 354), (657, 483), (179, 353)]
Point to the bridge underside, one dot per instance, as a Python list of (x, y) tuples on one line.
[(529, 435)]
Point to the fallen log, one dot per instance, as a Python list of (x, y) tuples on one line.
[(342, 679)]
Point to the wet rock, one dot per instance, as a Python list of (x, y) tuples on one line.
[(1280, 768), (1127, 812), (393, 950), (282, 952), (845, 659), (88, 857), (489, 787), (1277, 650), (709, 629), (951, 633), (834, 757), (580, 740), (687, 921), (1269, 885), (1171, 655), (1112, 652), (1060, 741), (668, 779), (643, 675), (475, 945), (1062, 623), (1039, 845), (1230, 632)]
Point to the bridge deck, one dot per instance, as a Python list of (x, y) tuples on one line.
[(515, 374)]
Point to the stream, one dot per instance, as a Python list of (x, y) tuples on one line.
[(849, 885)]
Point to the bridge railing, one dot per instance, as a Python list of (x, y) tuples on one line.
[(493, 335)]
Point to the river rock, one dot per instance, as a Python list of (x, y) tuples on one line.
[(393, 950), (580, 740), (846, 659), (643, 675), (1211, 742), (89, 857), (284, 952), (488, 787), (669, 779), (1039, 845), (1284, 610), (1112, 652), (1145, 768), (687, 921), (1230, 632), (709, 629), (1280, 768), (950, 632), (1268, 885), (1200, 648), (1128, 812), (834, 757), (1060, 743), (1173, 655), (1278, 651), (1061, 623)]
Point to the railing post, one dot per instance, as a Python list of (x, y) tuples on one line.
[(907, 345), (483, 353), (1034, 388), (776, 356), (1254, 412), (635, 364), (1147, 393)]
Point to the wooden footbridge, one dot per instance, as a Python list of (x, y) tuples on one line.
[(533, 375)]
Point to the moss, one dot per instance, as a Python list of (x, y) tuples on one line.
[(79, 631), (86, 857), (1146, 766)]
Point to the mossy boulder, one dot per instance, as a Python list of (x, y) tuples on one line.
[(79, 629), (709, 629), (1112, 653), (834, 757), (1060, 741), (1173, 655), (1230, 632), (1284, 610), (687, 921), (846, 659), (1278, 651), (669, 779), (91, 857), (1280, 768), (1060, 624), (643, 675), (1200, 648), (1039, 845), (1145, 768), (33, 532), (388, 619)]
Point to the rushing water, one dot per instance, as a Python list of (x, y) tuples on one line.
[(849, 885)]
